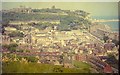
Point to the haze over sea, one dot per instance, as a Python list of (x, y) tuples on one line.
[(113, 24)]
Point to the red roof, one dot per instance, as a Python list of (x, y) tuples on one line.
[(108, 69)]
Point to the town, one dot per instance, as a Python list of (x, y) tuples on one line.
[(58, 37)]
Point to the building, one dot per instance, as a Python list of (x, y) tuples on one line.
[(108, 69), (80, 57), (5, 39)]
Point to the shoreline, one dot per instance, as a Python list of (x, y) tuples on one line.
[(114, 25)]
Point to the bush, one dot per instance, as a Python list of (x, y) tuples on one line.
[(16, 34), (11, 47), (31, 59)]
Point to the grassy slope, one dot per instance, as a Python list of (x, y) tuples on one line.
[(80, 64), (16, 67)]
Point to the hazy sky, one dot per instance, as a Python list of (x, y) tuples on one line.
[(95, 8), (60, 0)]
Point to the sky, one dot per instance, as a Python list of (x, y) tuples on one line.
[(95, 8), (59, 0)]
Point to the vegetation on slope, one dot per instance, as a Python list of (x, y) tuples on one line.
[(21, 67)]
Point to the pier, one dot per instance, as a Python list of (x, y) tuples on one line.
[(114, 20)]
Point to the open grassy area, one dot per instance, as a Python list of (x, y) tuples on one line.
[(17, 67), (80, 64)]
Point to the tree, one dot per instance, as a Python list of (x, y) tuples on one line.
[(53, 7), (16, 34), (111, 59), (105, 38), (11, 47), (5, 23), (31, 59), (57, 69), (5, 46), (64, 27)]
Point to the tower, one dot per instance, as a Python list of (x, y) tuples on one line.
[(53, 7)]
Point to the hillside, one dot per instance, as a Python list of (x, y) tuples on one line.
[(68, 19), (17, 67)]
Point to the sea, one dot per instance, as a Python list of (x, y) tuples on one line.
[(113, 24)]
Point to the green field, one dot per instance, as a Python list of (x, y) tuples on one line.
[(19, 67), (81, 65)]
